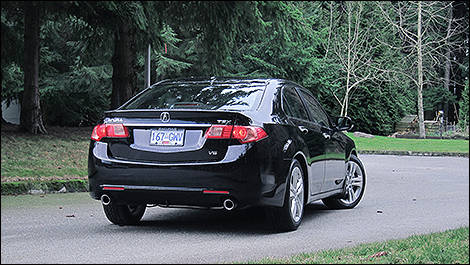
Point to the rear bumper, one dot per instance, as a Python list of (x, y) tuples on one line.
[(246, 175)]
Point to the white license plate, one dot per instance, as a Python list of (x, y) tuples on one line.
[(167, 136)]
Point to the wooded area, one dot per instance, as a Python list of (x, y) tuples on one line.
[(67, 62)]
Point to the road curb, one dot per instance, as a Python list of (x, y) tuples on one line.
[(412, 153), (42, 187)]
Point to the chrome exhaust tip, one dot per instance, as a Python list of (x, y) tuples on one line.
[(229, 204), (105, 199)]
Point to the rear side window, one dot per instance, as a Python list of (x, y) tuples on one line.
[(292, 104), (227, 96), (316, 112)]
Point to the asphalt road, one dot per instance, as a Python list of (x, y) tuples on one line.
[(404, 195)]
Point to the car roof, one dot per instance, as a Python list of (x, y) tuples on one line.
[(224, 80)]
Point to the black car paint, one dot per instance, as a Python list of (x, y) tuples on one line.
[(257, 176)]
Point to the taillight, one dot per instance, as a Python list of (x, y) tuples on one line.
[(109, 130), (219, 131), (248, 134), (244, 134)]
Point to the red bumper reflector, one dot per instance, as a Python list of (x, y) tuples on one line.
[(215, 192), (113, 188)]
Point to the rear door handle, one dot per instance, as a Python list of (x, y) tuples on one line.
[(303, 129)]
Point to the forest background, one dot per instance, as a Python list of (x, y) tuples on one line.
[(69, 61)]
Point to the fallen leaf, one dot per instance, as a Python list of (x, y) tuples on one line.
[(379, 254)]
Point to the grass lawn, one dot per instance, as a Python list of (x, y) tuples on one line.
[(439, 248), (61, 154), (380, 143)]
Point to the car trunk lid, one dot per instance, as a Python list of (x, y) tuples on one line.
[(171, 136)]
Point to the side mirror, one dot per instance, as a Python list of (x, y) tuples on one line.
[(344, 124)]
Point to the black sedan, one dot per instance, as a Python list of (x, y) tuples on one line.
[(223, 143)]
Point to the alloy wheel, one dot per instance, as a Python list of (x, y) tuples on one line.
[(296, 197), (354, 183)]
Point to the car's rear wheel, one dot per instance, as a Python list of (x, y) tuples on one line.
[(289, 217), (124, 214), (354, 185)]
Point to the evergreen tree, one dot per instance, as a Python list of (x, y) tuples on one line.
[(464, 110), (31, 116), (94, 53)]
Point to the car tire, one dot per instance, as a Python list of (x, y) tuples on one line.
[(124, 214), (353, 187), (287, 218)]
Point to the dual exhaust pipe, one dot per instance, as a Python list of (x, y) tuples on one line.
[(105, 199), (228, 204)]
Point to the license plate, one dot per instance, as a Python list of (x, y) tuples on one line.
[(167, 136)]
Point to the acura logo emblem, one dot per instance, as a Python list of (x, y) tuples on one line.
[(165, 117)]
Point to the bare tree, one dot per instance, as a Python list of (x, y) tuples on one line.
[(448, 52), (352, 47), (426, 29)]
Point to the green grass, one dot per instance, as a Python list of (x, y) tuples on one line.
[(61, 154), (380, 143), (445, 248)]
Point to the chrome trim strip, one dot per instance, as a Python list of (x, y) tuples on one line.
[(166, 125), (189, 145), (158, 188), (100, 151)]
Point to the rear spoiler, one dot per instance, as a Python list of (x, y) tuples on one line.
[(192, 114)]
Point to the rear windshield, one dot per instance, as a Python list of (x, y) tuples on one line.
[(232, 96)]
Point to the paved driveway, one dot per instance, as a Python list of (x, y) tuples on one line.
[(405, 195)]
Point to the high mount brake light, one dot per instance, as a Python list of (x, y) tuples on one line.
[(244, 134), (109, 130)]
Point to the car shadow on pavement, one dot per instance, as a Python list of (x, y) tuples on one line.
[(250, 221), (246, 221)]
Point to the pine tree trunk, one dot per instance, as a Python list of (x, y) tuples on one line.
[(124, 78), (422, 132), (31, 117)]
